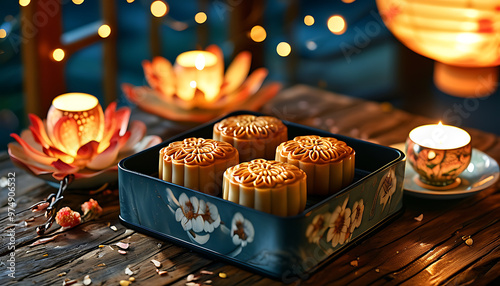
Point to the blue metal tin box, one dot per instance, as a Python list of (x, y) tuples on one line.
[(281, 247)]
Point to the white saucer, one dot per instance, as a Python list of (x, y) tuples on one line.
[(482, 172)]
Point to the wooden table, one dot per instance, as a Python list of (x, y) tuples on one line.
[(408, 251)]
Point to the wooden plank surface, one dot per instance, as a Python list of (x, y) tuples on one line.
[(406, 251)]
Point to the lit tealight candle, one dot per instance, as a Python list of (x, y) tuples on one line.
[(83, 121), (439, 136), (198, 70), (439, 153)]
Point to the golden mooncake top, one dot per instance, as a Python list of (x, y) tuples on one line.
[(315, 149), (260, 173), (250, 126), (198, 151)]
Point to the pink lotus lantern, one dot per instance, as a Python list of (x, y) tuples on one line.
[(79, 138), (196, 89)]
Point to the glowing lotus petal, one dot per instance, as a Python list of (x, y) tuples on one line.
[(106, 158), (18, 155), (66, 136), (32, 153), (137, 131), (38, 127), (237, 72), (165, 76)]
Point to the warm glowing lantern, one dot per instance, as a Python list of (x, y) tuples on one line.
[(78, 138), (198, 70), (85, 110), (462, 36), (197, 88)]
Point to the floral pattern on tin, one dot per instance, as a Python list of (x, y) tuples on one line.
[(197, 217), (242, 231), (387, 187), (336, 227), (340, 220), (316, 229)]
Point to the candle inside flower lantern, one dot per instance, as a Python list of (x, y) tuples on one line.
[(439, 153), (83, 121), (198, 70)]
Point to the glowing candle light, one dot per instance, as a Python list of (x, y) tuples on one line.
[(198, 70), (83, 121), (438, 153)]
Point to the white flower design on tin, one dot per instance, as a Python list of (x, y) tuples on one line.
[(387, 187), (187, 213), (357, 213), (242, 230), (210, 216), (340, 220), (317, 227)]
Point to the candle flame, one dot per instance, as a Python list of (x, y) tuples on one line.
[(199, 63), (440, 123)]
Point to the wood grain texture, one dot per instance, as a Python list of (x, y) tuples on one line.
[(406, 251)]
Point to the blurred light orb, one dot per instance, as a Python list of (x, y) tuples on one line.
[(336, 24), (24, 3), (58, 54), (104, 31), (309, 20), (159, 8), (258, 34), (283, 49), (78, 2), (311, 45), (200, 17)]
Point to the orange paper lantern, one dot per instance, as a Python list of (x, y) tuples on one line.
[(462, 36)]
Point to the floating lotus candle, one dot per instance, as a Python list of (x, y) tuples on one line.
[(439, 153), (195, 88), (78, 138)]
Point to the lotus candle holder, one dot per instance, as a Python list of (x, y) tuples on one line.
[(79, 139), (196, 89)]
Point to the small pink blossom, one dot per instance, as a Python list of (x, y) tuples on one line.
[(66, 217)]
